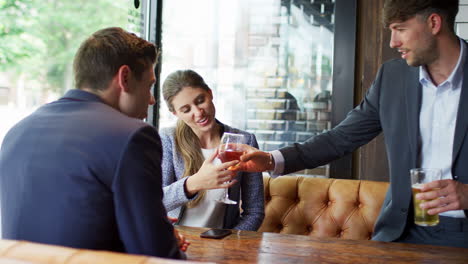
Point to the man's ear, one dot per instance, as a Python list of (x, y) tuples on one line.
[(435, 23), (123, 77)]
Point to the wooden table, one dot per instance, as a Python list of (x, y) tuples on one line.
[(254, 247)]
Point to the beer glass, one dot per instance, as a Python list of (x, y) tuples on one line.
[(420, 176), (230, 149)]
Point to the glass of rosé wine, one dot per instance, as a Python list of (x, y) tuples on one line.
[(230, 149)]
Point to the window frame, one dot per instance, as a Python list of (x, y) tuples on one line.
[(343, 70)]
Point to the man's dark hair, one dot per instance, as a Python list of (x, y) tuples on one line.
[(100, 56), (401, 10)]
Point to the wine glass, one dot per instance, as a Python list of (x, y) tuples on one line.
[(230, 149)]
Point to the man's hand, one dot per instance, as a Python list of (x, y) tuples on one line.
[(452, 195), (183, 244), (254, 160)]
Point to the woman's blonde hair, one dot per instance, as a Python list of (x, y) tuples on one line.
[(187, 143)]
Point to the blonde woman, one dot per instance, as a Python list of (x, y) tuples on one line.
[(193, 176)]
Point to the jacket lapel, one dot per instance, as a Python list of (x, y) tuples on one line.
[(413, 106), (462, 121)]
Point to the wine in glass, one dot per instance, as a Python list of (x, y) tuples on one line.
[(230, 149)]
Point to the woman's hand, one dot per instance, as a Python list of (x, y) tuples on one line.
[(181, 241), (211, 176)]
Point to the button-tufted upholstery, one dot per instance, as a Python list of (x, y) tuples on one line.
[(16, 252), (322, 207)]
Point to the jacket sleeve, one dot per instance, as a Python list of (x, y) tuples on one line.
[(174, 193), (137, 186), (360, 126), (252, 198)]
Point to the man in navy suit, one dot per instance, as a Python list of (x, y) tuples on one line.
[(84, 171), (420, 103)]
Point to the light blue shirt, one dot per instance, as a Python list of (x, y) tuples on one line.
[(279, 163), (437, 120)]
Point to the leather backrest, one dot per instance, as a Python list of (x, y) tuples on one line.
[(322, 207)]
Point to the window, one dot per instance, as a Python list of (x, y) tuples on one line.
[(269, 63), (38, 40), (461, 24)]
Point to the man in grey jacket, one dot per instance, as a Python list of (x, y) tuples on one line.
[(420, 103)]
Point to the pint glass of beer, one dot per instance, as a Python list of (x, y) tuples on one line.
[(420, 176)]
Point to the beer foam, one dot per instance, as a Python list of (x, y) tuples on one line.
[(417, 186)]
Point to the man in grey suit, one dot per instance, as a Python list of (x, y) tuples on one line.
[(420, 103), (85, 171)]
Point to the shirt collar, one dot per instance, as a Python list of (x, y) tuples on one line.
[(81, 95), (455, 77)]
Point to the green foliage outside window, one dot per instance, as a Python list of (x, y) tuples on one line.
[(38, 38)]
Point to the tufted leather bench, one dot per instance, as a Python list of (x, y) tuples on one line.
[(322, 207), (22, 252)]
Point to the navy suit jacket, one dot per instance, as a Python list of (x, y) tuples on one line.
[(391, 106), (79, 173)]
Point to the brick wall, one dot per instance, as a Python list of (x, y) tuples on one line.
[(462, 20), (288, 100)]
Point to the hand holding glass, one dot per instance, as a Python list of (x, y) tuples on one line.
[(230, 149), (420, 176)]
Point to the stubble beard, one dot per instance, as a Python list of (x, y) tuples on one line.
[(425, 55)]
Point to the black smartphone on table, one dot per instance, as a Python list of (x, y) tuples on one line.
[(216, 233)]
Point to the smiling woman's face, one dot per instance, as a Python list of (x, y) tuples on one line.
[(195, 107)]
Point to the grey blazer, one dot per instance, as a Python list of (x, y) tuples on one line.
[(391, 106), (249, 187)]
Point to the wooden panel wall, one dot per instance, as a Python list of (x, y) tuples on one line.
[(370, 161)]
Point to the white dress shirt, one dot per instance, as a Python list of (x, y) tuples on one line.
[(437, 120)]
